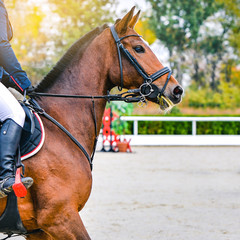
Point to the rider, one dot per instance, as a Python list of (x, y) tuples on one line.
[(12, 115)]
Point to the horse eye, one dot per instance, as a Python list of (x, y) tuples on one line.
[(139, 49)]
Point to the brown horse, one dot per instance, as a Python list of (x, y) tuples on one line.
[(61, 172)]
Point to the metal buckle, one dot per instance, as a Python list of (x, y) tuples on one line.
[(142, 102), (142, 90), (148, 80)]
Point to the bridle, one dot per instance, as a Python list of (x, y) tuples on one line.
[(147, 89)]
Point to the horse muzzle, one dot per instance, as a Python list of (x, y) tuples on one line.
[(155, 94), (177, 94)]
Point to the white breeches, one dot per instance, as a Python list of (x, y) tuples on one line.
[(10, 107)]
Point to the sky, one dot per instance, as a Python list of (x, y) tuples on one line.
[(123, 4), (128, 4)]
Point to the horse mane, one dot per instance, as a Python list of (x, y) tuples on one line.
[(77, 49)]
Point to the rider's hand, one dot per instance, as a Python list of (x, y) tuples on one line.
[(30, 89)]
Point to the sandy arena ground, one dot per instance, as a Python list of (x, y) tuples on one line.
[(166, 193)]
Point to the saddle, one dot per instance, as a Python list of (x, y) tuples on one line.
[(33, 134), (32, 140)]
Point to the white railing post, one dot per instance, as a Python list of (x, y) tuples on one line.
[(194, 127), (181, 140), (135, 127), (194, 120)]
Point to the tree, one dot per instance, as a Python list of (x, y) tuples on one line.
[(232, 8), (44, 29), (29, 41), (142, 27), (177, 23), (77, 17)]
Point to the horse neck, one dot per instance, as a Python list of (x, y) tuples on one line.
[(89, 76)]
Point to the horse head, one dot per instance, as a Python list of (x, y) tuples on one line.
[(135, 66)]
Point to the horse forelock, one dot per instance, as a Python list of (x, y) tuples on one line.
[(76, 50)]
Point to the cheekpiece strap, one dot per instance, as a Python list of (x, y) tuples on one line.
[(128, 55)]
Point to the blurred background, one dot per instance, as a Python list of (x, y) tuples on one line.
[(157, 192), (198, 39)]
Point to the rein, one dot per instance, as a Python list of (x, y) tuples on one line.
[(147, 89), (128, 96), (35, 106)]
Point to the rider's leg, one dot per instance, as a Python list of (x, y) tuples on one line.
[(12, 116), (10, 107)]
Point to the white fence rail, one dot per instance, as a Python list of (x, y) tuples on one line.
[(179, 140)]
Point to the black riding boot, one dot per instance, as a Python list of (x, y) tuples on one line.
[(10, 135)]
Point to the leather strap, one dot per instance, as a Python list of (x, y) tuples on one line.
[(147, 79)]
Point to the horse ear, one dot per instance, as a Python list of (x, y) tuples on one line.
[(122, 25), (118, 20), (134, 20)]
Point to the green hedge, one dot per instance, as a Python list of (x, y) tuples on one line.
[(218, 128), (153, 127), (184, 128)]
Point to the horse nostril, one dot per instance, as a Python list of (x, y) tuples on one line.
[(178, 91)]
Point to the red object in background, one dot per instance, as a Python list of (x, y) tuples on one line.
[(106, 117), (109, 136), (128, 145), (124, 146)]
